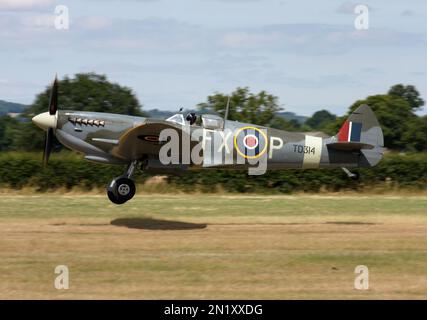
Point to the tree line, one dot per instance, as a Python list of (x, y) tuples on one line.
[(396, 110)]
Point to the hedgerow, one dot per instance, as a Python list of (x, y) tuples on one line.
[(67, 170)]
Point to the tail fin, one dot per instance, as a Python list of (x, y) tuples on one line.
[(361, 132)]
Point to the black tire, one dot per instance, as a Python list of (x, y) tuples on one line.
[(113, 198), (121, 190), (125, 188), (356, 176)]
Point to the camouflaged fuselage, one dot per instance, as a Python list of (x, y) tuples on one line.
[(101, 137)]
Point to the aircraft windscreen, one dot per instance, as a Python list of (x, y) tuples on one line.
[(177, 118)]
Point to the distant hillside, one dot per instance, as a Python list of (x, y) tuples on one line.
[(160, 114), (155, 113), (292, 116), (11, 107)]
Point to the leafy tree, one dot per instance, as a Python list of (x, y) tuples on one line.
[(6, 139), (284, 124), (84, 92), (402, 128), (394, 115), (320, 119), (408, 93), (415, 137), (90, 92), (17, 135), (245, 106)]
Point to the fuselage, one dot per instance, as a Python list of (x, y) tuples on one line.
[(178, 143), (97, 134)]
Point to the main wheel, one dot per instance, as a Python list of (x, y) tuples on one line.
[(114, 199), (121, 190)]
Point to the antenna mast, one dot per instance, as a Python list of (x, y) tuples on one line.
[(227, 109)]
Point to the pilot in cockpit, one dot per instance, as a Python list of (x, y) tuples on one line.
[(191, 118)]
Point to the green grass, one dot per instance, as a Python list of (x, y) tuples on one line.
[(210, 246)]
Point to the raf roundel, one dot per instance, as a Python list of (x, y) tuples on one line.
[(250, 142)]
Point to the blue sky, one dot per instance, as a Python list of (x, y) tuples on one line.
[(175, 53)]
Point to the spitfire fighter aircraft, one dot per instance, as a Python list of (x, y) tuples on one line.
[(138, 142)]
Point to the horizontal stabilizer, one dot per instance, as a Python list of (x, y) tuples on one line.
[(361, 133), (349, 146)]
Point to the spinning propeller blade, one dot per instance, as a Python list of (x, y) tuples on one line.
[(53, 108), (53, 101), (48, 146)]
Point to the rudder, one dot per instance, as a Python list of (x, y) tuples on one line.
[(362, 128)]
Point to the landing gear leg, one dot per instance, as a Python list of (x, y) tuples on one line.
[(122, 189), (351, 175)]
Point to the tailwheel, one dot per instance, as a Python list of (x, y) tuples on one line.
[(121, 190), (356, 176)]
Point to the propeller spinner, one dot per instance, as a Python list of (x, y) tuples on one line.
[(47, 121)]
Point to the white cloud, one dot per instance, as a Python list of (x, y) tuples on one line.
[(347, 7), (291, 51), (313, 39), (171, 36), (23, 4), (94, 23), (38, 21), (245, 39), (18, 90), (233, 1), (407, 13)]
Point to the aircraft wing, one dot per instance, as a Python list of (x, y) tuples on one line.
[(143, 140), (349, 146)]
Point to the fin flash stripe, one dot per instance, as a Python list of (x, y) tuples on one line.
[(350, 132)]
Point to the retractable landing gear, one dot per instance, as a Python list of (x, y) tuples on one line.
[(351, 175), (122, 189)]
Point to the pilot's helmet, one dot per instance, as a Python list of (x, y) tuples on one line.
[(191, 118)]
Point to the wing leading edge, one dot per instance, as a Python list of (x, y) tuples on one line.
[(143, 140)]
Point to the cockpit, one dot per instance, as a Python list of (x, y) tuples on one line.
[(208, 121), (177, 118)]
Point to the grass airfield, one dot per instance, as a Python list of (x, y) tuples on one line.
[(213, 246)]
